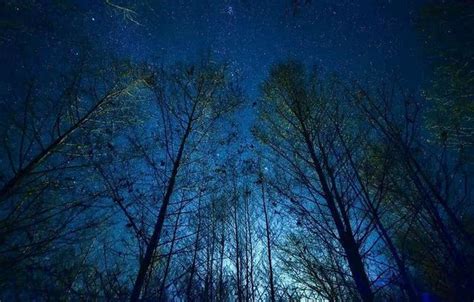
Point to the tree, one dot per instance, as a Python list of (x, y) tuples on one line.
[(428, 178), (261, 182), (293, 112), (46, 196), (191, 100)]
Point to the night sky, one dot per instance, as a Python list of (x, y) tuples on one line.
[(356, 38)]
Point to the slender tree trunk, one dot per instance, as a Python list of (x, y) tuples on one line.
[(155, 237), (237, 253), (247, 243), (23, 172), (208, 273), (344, 230), (424, 179), (168, 260), (269, 249), (196, 249), (251, 260), (221, 266), (407, 283), (211, 266), (440, 226)]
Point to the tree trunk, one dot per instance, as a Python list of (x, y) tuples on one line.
[(155, 237), (221, 266), (168, 261), (15, 181), (196, 249), (237, 253), (346, 237), (269, 249)]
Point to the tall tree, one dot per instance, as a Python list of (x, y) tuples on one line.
[(299, 111), (191, 100)]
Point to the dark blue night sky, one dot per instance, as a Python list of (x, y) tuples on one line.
[(351, 37), (367, 40)]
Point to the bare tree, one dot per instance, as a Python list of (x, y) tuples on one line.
[(191, 100), (46, 197), (298, 111)]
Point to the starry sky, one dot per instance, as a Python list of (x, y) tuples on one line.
[(359, 39)]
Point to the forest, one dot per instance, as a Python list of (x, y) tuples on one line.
[(132, 177)]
